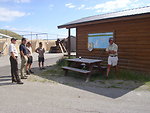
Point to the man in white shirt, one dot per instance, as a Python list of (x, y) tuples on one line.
[(112, 50), (14, 62)]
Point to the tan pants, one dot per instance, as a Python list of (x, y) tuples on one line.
[(23, 66)]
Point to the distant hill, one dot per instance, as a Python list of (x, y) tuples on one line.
[(10, 33)]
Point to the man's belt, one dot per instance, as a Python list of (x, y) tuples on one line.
[(113, 55)]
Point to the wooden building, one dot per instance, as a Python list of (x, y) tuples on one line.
[(131, 31)]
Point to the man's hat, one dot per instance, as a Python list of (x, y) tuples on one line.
[(111, 39), (13, 39)]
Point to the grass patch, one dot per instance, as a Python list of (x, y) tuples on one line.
[(120, 82), (121, 75), (53, 71), (130, 75), (113, 86), (148, 83), (62, 62)]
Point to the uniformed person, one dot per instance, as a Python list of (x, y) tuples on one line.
[(14, 62)]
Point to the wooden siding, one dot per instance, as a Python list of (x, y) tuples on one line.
[(132, 37)]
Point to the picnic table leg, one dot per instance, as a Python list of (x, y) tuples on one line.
[(88, 77), (89, 74), (66, 72), (99, 66)]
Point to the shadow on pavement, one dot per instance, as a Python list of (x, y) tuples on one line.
[(101, 87), (5, 81), (107, 88)]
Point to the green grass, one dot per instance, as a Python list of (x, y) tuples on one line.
[(120, 82), (10, 33), (147, 83), (130, 75), (62, 62), (54, 71), (113, 86), (121, 75)]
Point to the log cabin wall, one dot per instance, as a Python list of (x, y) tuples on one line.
[(131, 36)]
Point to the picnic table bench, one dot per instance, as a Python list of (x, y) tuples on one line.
[(90, 63)]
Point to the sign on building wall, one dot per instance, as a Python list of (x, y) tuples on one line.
[(99, 40)]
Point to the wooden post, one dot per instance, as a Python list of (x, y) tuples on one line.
[(69, 45)]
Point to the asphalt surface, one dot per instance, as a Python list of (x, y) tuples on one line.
[(38, 97)]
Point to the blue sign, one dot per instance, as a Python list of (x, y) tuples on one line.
[(99, 40)]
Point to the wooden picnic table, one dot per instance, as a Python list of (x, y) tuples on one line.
[(89, 63)]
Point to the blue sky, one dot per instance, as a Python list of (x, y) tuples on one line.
[(46, 15)]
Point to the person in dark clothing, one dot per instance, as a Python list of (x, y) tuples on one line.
[(24, 57), (14, 62)]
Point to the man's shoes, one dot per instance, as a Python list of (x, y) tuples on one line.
[(43, 68), (19, 82), (23, 77), (106, 77), (31, 71), (27, 72), (13, 80)]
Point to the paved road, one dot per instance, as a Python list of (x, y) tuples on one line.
[(5, 78), (37, 97)]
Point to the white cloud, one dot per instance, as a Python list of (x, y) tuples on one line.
[(51, 6), (70, 5), (9, 15), (22, 1), (110, 6), (114, 5), (81, 7), (16, 1)]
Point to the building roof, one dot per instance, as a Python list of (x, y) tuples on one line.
[(119, 14)]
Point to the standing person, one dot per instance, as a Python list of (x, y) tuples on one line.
[(14, 62), (24, 57), (30, 59), (40, 50), (112, 50)]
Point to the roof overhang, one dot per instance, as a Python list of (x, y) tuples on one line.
[(110, 17), (123, 18)]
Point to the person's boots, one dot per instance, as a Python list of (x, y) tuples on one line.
[(27, 72), (31, 71), (13, 79), (18, 80)]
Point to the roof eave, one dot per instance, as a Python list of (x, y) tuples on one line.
[(67, 26)]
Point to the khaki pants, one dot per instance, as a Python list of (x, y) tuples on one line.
[(23, 66)]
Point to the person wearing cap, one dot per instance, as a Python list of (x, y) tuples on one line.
[(24, 57), (112, 50), (30, 59), (14, 62)]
